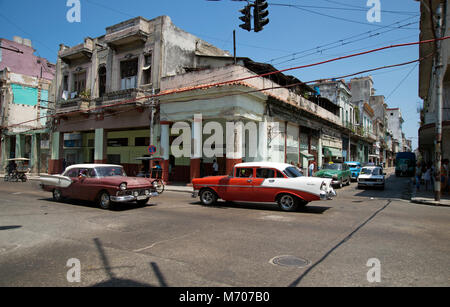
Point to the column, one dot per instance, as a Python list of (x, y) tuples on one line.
[(100, 146), (233, 145), (196, 147), (57, 154), (35, 152), (319, 150), (5, 150), (165, 149), (20, 145)]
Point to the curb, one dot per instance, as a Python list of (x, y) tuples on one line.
[(424, 201)]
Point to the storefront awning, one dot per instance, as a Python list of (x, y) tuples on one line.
[(332, 152), (307, 155)]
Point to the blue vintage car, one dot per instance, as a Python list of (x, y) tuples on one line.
[(355, 168)]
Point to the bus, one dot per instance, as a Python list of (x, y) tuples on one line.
[(405, 164)]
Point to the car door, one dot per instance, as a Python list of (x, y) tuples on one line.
[(78, 190), (88, 186), (268, 184), (71, 190), (240, 187)]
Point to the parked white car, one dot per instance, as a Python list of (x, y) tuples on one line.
[(371, 176)]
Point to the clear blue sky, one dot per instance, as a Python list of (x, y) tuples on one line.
[(295, 27)]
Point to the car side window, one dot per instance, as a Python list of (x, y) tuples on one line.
[(72, 173), (84, 172), (92, 173), (265, 173), (244, 172), (280, 175)]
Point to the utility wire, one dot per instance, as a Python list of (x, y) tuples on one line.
[(204, 86)]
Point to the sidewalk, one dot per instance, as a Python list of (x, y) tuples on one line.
[(427, 197), (175, 187)]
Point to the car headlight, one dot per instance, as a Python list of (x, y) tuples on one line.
[(323, 186), (136, 193), (155, 184), (147, 192), (123, 186)]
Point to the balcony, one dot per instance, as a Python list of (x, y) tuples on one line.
[(88, 105), (79, 52), (130, 31), (78, 104)]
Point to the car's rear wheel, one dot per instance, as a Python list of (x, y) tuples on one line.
[(104, 200), (208, 197), (57, 195), (287, 202)]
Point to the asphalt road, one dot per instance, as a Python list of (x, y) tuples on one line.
[(175, 241)]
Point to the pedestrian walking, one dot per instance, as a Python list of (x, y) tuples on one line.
[(311, 169)]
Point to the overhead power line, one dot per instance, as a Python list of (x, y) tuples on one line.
[(204, 86)]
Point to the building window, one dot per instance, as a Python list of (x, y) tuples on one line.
[(101, 81), (142, 141), (79, 84), (147, 70), (128, 74), (117, 142)]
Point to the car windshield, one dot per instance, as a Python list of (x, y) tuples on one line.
[(333, 166), (293, 172), (371, 171), (353, 165), (110, 171)]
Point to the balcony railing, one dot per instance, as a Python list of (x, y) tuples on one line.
[(90, 104)]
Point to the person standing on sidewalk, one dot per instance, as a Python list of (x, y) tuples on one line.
[(418, 176), (427, 177)]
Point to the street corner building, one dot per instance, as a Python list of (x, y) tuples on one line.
[(25, 84), (428, 82), (147, 84)]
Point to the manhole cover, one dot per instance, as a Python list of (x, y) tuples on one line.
[(291, 261)]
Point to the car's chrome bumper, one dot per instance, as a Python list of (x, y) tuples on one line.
[(370, 183), (327, 195), (130, 198), (194, 194)]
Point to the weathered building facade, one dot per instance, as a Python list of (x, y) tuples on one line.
[(428, 82), (147, 82), (25, 83)]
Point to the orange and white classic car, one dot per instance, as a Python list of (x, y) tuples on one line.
[(264, 182)]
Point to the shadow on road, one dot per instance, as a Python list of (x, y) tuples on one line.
[(395, 187), (9, 227), (118, 207), (262, 206), (113, 281)]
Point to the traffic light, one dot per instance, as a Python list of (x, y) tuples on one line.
[(246, 17), (260, 13)]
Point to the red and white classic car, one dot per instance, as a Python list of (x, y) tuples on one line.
[(103, 183), (264, 182)]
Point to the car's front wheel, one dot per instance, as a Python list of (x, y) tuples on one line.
[(287, 202), (104, 200), (208, 197)]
